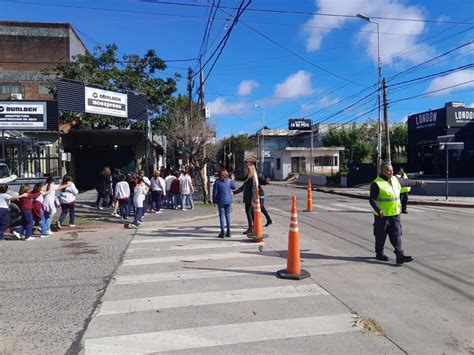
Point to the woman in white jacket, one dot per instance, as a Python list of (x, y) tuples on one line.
[(158, 190), (50, 201), (67, 199)]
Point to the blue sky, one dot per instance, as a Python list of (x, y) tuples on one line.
[(298, 65)]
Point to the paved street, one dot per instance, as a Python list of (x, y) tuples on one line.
[(176, 287)]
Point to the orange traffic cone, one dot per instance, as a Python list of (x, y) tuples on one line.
[(257, 219), (293, 269), (309, 203)]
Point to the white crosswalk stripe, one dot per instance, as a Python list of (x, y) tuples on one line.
[(227, 334), (197, 257), (192, 275), (205, 298), (218, 245), (351, 207), (244, 282)]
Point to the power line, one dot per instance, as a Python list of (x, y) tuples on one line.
[(288, 12), (432, 92), (241, 10), (297, 55)]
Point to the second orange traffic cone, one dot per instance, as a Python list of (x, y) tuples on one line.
[(293, 269), (257, 219), (309, 203)]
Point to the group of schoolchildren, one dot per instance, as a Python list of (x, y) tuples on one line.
[(38, 205), (138, 193)]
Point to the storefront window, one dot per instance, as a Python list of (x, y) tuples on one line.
[(45, 87)]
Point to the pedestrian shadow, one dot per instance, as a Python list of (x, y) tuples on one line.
[(239, 271), (316, 256)]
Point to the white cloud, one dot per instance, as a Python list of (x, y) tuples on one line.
[(220, 107), (246, 87), (450, 80), (296, 85), (390, 44), (468, 50), (326, 101), (471, 105)]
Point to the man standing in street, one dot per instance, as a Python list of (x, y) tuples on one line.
[(385, 200)]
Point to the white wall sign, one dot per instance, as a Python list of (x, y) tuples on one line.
[(105, 102), (22, 115)]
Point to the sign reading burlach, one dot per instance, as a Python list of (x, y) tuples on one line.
[(105, 102), (299, 124), (22, 115)]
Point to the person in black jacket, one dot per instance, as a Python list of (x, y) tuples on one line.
[(261, 193), (104, 184), (249, 189)]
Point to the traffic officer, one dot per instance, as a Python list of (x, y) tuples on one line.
[(385, 200)]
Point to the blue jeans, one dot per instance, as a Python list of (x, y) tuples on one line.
[(27, 228), (48, 218), (224, 212), (156, 200), (176, 200), (131, 206), (185, 199), (123, 206), (138, 215), (42, 222), (67, 207), (4, 220)]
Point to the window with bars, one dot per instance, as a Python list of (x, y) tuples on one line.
[(10, 88)]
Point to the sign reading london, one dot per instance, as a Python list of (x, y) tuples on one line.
[(22, 115), (105, 102)]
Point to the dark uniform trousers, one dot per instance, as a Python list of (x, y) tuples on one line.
[(390, 226), (404, 200)]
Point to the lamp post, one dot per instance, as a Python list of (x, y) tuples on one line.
[(379, 81), (262, 141)]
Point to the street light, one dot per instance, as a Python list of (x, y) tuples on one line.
[(379, 81), (262, 155)]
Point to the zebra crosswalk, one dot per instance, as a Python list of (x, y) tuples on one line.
[(171, 294)]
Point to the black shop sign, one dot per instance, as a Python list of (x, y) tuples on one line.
[(20, 115), (299, 124)]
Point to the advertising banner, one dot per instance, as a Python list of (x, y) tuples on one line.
[(105, 102), (299, 124), (22, 115)]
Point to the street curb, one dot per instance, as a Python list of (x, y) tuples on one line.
[(348, 194)]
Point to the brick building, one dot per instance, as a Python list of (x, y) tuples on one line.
[(27, 49)]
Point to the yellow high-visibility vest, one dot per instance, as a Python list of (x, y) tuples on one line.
[(388, 198)]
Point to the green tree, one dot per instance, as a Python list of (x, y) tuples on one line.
[(355, 139), (233, 146), (399, 142), (103, 67), (187, 130)]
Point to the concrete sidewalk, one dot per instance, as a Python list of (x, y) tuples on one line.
[(363, 193)]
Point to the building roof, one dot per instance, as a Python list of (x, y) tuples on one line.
[(29, 24)]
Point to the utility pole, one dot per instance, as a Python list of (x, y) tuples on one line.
[(190, 97), (203, 115), (387, 127)]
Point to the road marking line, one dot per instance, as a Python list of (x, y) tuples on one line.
[(324, 207), (223, 244), (197, 257), (166, 239), (352, 207), (218, 335), (208, 298), (194, 274)]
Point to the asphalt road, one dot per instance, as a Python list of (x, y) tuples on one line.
[(51, 289), (425, 306)]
